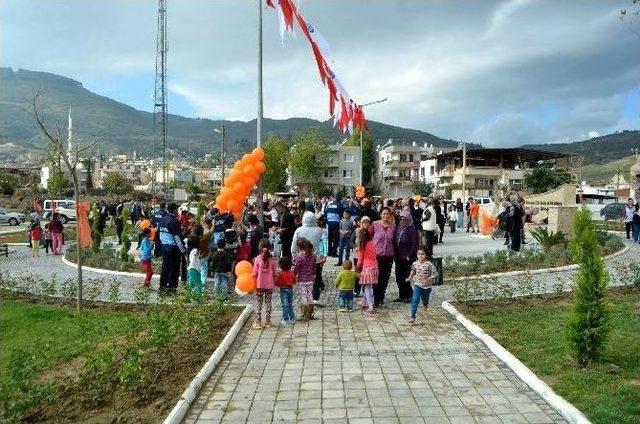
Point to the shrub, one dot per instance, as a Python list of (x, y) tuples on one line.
[(548, 239), (589, 319)]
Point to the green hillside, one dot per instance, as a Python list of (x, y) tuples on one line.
[(602, 173), (122, 129), (598, 150)]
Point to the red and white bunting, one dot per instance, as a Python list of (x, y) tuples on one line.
[(346, 113)]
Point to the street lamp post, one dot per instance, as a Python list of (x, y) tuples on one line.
[(222, 132), (362, 140)]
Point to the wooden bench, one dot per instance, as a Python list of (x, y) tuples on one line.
[(4, 249)]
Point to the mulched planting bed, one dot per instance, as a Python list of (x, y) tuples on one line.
[(110, 363), (533, 329)]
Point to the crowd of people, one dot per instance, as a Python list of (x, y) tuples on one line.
[(290, 246), (370, 239)]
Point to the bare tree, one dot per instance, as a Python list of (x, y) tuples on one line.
[(56, 143)]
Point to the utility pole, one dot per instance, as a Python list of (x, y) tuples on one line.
[(464, 169), (222, 132), (260, 192)]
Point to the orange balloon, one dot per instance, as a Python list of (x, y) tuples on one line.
[(249, 170), (239, 187), (249, 181), (233, 178), (145, 224), (238, 165), (243, 267), (246, 283), (258, 154), (246, 160), (233, 205), (226, 192), (260, 167)]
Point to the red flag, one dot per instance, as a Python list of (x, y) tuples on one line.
[(270, 3)]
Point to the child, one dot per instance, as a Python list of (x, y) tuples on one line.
[(346, 282), (274, 239), (35, 234), (346, 229), (255, 236), (305, 270), (286, 280), (47, 239), (221, 265), (422, 274), (244, 251), (146, 252), (453, 218), (194, 282), (368, 267), (264, 269)]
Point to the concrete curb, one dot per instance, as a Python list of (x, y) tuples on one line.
[(535, 271), (567, 410), (187, 398), (108, 271)]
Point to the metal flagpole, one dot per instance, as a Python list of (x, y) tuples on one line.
[(362, 142), (260, 193)]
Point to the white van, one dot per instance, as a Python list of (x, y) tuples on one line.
[(66, 208)]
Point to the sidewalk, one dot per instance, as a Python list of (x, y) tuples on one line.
[(348, 367)]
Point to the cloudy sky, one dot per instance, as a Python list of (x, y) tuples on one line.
[(500, 73)]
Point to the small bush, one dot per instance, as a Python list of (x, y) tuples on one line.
[(589, 319)]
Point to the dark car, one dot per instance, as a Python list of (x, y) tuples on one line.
[(613, 211)]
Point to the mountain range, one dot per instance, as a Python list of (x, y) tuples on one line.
[(119, 128), (122, 129)]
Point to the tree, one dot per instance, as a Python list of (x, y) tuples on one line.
[(368, 158), (590, 315), (422, 188), (58, 185), (309, 158), (276, 160), (8, 183), (544, 178), (116, 183), (57, 148)]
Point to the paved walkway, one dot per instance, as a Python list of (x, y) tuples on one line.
[(349, 367)]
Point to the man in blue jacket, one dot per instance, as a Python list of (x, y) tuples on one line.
[(157, 217), (333, 213), (172, 248)]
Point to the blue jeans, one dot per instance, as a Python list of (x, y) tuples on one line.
[(636, 232), (345, 299), (460, 221), (220, 285), (286, 298), (344, 249), (419, 293)]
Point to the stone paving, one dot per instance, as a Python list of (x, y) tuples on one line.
[(350, 367)]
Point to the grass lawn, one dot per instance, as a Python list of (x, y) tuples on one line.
[(533, 329), (130, 363)]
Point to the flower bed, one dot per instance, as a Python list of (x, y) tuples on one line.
[(526, 259), (109, 258)]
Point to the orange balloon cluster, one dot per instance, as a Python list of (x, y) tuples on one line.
[(488, 223), (245, 281), (237, 186)]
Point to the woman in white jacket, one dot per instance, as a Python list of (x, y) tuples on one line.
[(429, 225)]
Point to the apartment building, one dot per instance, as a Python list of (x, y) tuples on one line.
[(342, 173), (398, 167)]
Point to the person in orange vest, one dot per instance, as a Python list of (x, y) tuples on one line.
[(474, 214)]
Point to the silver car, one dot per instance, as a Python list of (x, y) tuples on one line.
[(11, 218)]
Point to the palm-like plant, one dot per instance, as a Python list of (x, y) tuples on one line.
[(547, 238)]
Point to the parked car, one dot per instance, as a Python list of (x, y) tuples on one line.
[(612, 211), (65, 208), (11, 218)]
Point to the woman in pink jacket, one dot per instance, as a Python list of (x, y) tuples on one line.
[(264, 270)]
